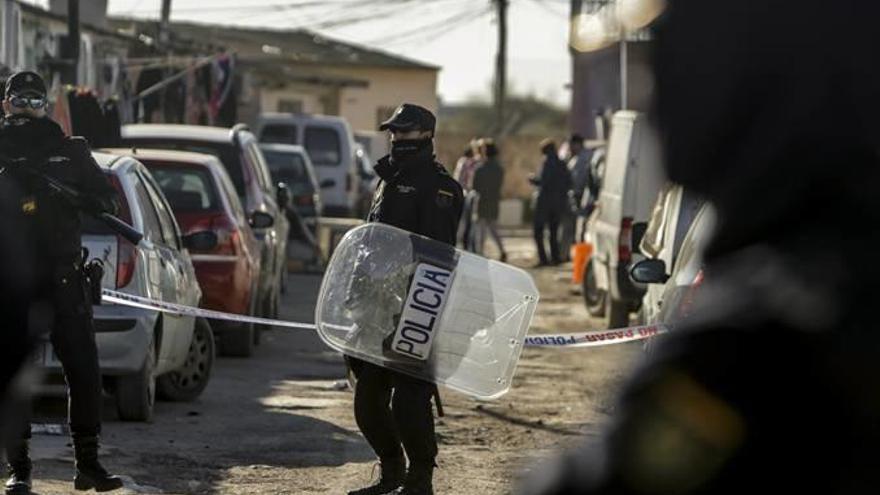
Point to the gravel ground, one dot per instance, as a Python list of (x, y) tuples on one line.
[(280, 422)]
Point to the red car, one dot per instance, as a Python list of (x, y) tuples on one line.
[(203, 198)]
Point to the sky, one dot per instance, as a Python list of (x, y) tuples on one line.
[(458, 35)]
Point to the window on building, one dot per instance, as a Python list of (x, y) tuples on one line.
[(290, 106)]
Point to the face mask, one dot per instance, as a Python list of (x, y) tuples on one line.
[(403, 149)]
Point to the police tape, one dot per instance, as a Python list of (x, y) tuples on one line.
[(596, 337), (592, 338)]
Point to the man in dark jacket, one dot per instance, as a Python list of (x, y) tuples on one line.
[(488, 178), (416, 194), (554, 183), (769, 110), (32, 145)]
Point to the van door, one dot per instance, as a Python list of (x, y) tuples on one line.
[(327, 152)]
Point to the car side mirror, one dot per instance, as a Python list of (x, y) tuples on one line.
[(203, 240), (649, 271), (638, 233), (261, 220), (328, 183), (283, 196)]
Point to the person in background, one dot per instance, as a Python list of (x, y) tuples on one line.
[(772, 117), (579, 168), (488, 178), (554, 183), (464, 174)]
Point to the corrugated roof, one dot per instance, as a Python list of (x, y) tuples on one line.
[(298, 45)]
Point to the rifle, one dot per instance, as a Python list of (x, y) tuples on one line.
[(76, 198)]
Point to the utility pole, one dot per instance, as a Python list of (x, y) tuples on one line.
[(501, 67), (70, 74), (164, 37)]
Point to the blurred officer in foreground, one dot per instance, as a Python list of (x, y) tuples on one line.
[(32, 145), (769, 109), (416, 194)]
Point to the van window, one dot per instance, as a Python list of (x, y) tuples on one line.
[(323, 146), (279, 133)]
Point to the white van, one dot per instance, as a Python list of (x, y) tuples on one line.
[(633, 177), (331, 147)]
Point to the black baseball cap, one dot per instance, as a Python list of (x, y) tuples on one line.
[(25, 83), (410, 117)]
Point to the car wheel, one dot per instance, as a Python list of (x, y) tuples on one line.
[(270, 310), (618, 313), (136, 393), (188, 382), (594, 298), (238, 340)]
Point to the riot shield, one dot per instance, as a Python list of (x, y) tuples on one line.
[(424, 308)]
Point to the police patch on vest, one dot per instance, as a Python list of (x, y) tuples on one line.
[(29, 205), (427, 297), (444, 198)]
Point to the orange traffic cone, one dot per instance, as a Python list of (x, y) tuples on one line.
[(580, 256)]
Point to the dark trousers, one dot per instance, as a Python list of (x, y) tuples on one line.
[(65, 311), (549, 218), (393, 409)]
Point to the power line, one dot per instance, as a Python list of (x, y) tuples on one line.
[(431, 30)]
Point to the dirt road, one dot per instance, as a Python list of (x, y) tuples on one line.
[(279, 423)]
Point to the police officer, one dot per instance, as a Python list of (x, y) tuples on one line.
[(32, 144), (417, 194)]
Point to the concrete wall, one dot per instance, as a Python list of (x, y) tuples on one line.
[(596, 84)]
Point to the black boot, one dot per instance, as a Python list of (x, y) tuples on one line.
[(393, 472), (419, 480), (20, 467), (89, 472)]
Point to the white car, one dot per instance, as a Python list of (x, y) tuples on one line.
[(679, 283), (141, 350), (674, 212)]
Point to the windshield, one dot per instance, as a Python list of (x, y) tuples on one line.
[(291, 169), (226, 152), (188, 189)]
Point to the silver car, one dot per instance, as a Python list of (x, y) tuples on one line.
[(142, 350)]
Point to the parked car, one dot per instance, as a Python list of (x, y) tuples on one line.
[(679, 285), (331, 147), (633, 176), (673, 213), (290, 164), (203, 198), (141, 351), (263, 200)]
